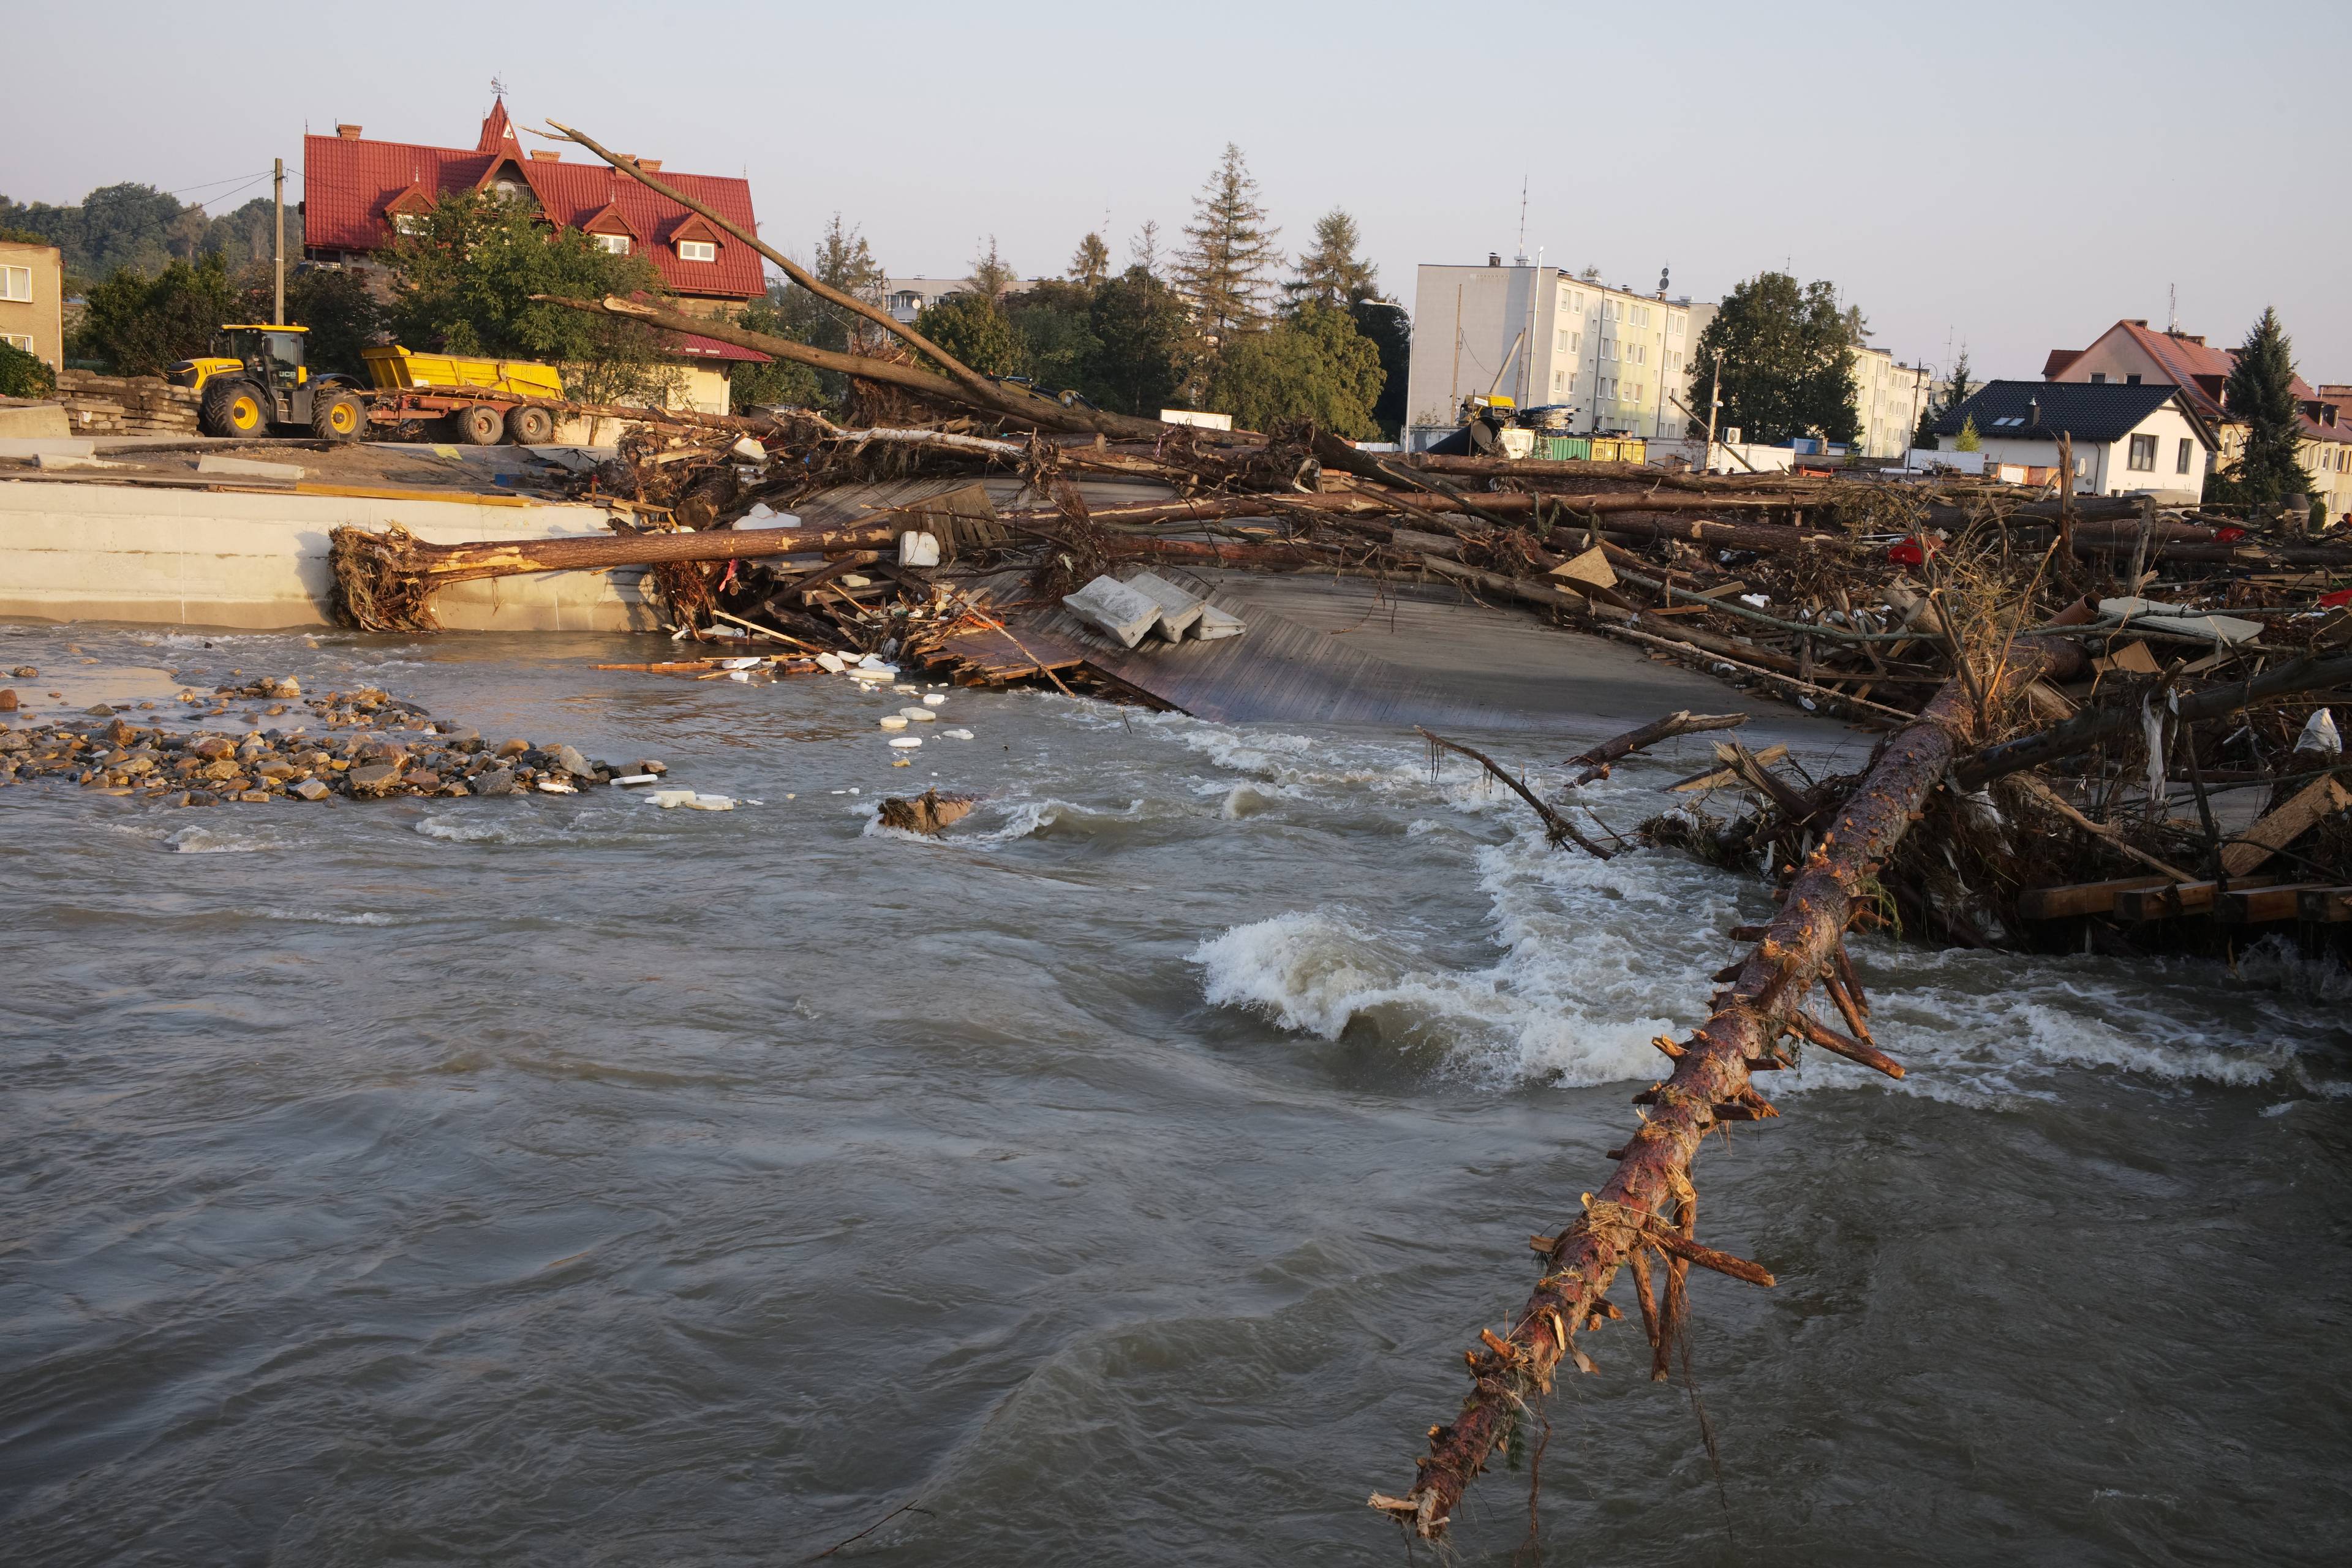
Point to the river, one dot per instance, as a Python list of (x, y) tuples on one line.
[(1119, 1179)]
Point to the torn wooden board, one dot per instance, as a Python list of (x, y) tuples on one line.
[(2320, 798)]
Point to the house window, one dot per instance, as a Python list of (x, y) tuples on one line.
[(17, 340), (1674, 325), (614, 243), (2131, 380), (17, 283), (1559, 381), (2143, 454), (697, 250), (2098, 378), (2180, 463)]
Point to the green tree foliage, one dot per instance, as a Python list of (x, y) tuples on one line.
[(1143, 250), (1091, 263), (992, 276), (23, 374), (137, 325), (2261, 393), (1386, 326), (779, 383), (1968, 440), (1055, 320), (1223, 270), (463, 281), (1957, 391), (1332, 273), (1315, 366), (141, 229), (1788, 361), (971, 327), (1139, 326), (342, 313)]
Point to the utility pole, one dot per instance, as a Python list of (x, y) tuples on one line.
[(278, 252), (1714, 403)]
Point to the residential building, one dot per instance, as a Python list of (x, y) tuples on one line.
[(910, 296), (2129, 438), (1888, 398), (1617, 360), (32, 301), (360, 194), (2133, 353)]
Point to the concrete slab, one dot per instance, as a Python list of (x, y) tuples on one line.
[(35, 421), (47, 461), (61, 442), (249, 468)]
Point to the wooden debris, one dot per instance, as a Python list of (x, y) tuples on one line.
[(930, 812)]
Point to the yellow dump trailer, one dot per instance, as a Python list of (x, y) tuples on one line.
[(486, 398)]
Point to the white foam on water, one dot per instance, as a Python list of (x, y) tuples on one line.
[(206, 839), (320, 916)]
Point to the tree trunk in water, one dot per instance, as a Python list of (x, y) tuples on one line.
[(1710, 1085), (385, 581)]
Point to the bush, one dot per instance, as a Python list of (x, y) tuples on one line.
[(22, 375)]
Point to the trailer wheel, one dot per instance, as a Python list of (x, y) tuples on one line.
[(479, 425), (529, 426), (232, 407), (337, 416)]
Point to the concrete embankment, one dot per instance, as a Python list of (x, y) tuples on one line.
[(257, 559)]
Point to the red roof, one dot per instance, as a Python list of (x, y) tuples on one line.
[(2198, 369), (693, 345), (348, 181)]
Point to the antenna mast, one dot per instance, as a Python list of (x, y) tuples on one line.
[(1521, 259), (2172, 309)]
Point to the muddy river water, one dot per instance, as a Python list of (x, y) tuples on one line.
[(1116, 1180)]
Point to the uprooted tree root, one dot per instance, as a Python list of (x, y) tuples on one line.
[(379, 585)]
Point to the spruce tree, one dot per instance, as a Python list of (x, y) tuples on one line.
[(1222, 273), (991, 275), (1332, 273), (1091, 263), (2260, 394), (1143, 250)]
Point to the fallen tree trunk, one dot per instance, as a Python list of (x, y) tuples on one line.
[(1710, 1085), (386, 581), (1574, 468), (2086, 731)]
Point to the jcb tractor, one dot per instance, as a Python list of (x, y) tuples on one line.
[(258, 384)]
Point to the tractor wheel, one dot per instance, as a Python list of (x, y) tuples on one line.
[(337, 416), (529, 426), (479, 425), (232, 407)]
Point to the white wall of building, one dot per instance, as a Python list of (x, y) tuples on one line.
[(2105, 468)]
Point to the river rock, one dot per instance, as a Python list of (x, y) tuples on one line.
[(373, 778), (571, 762), (497, 781), (311, 789), (212, 747), (7, 700), (513, 748)]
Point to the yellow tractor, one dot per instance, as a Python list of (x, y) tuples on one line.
[(256, 385)]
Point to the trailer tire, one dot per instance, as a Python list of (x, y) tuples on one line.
[(233, 407), (529, 426), (337, 416), (479, 425)]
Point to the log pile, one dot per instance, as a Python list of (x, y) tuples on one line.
[(125, 405)]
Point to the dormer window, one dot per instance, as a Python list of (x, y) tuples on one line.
[(403, 223), (611, 244), (697, 250)]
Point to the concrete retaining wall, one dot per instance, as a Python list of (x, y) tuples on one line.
[(254, 562)]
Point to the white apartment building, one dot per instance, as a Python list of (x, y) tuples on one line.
[(907, 298), (1888, 398), (1544, 337)]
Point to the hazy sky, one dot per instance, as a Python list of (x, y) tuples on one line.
[(2015, 176)]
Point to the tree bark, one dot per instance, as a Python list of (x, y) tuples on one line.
[(1596, 761), (1710, 1085)]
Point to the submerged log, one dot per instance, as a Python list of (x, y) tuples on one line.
[(1710, 1085), (386, 581), (1596, 761)]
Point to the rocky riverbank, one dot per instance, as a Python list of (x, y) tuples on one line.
[(363, 744)]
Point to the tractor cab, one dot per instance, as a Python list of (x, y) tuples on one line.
[(273, 354), (255, 382)]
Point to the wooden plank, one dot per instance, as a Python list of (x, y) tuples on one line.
[(2252, 906), (2080, 898), (2284, 826), (2175, 898), (2330, 906)]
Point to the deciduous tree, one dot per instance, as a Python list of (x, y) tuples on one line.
[(1139, 326), (1788, 360), (971, 327), (137, 325), (1315, 366)]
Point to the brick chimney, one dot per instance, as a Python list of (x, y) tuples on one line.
[(348, 132), (544, 155)]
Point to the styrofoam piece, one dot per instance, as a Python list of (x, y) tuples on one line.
[(960, 734), (2147, 614), (667, 798), (637, 781), (1216, 623), (831, 661), (556, 786), (906, 742), (750, 451), (741, 663), (918, 549), (742, 675), (918, 715), (1178, 609), (708, 803), (760, 512), (862, 672), (932, 699), (894, 721), (1112, 608), (874, 661)]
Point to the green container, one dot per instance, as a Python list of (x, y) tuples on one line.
[(1567, 448)]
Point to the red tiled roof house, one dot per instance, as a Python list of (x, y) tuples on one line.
[(358, 195)]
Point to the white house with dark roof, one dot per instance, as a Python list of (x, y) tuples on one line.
[(2129, 439)]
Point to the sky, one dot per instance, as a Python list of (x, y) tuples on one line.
[(2012, 177)]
